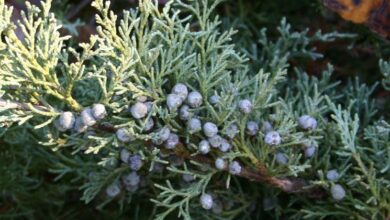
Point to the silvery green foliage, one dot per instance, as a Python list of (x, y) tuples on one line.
[(137, 61)]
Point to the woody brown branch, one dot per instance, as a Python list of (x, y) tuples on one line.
[(260, 174)]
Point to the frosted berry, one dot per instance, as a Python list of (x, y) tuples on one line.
[(124, 135), (338, 192), (194, 99), (87, 117), (65, 121), (245, 106), (148, 124), (225, 145), (235, 168), (139, 110), (131, 179), (79, 125), (310, 151), (149, 106), (162, 135), (135, 162), (307, 122), (272, 138), (174, 101), (194, 125), (180, 90), (281, 158), (99, 111), (210, 129), (124, 155), (215, 141), (252, 128), (214, 99), (220, 164), (232, 131), (184, 113), (266, 127), (188, 177), (332, 175), (204, 147), (113, 190), (206, 200), (172, 141)]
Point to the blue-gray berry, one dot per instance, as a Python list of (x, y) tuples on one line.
[(194, 125), (161, 135), (310, 151), (149, 106), (113, 190), (184, 113), (281, 158), (65, 121), (214, 99), (87, 117), (174, 101), (210, 129), (131, 179), (172, 141), (180, 90), (188, 177), (135, 162), (139, 110), (338, 192), (124, 155), (235, 168), (220, 164), (215, 141), (245, 106), (206, 201), (225, 145), (266, 127), (79, 125), (307, 122), (232, 130), (272, 138), (194, 99), (99, 111), (124, 135), (148, 124), (204, 147), (252, 128), (332, 175)]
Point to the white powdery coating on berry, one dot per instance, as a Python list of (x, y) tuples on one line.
[(232, 131), (252, 128), (188, 177), (87, 117), (79, 125), (266, 127), (204, 147), (206, 200), (113, 190), (172, 141), (99, 111), (220, 164), (307, 122), (65, 121), (124, 155), (194, 99), (139, 110), (245, 106), (174, 101), (332, 175), (149, 106), (194, 125), (225, 145), (135, 162), (214, 99), (148, 125), (272, 138), (215, 141), (162, 135), (131, 179), (310, 151), (124, 135), (338, 192), (181, 90), (281, 158), (184, 113), (210, 129), (235, 168)]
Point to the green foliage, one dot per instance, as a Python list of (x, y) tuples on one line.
[(142, 54)]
